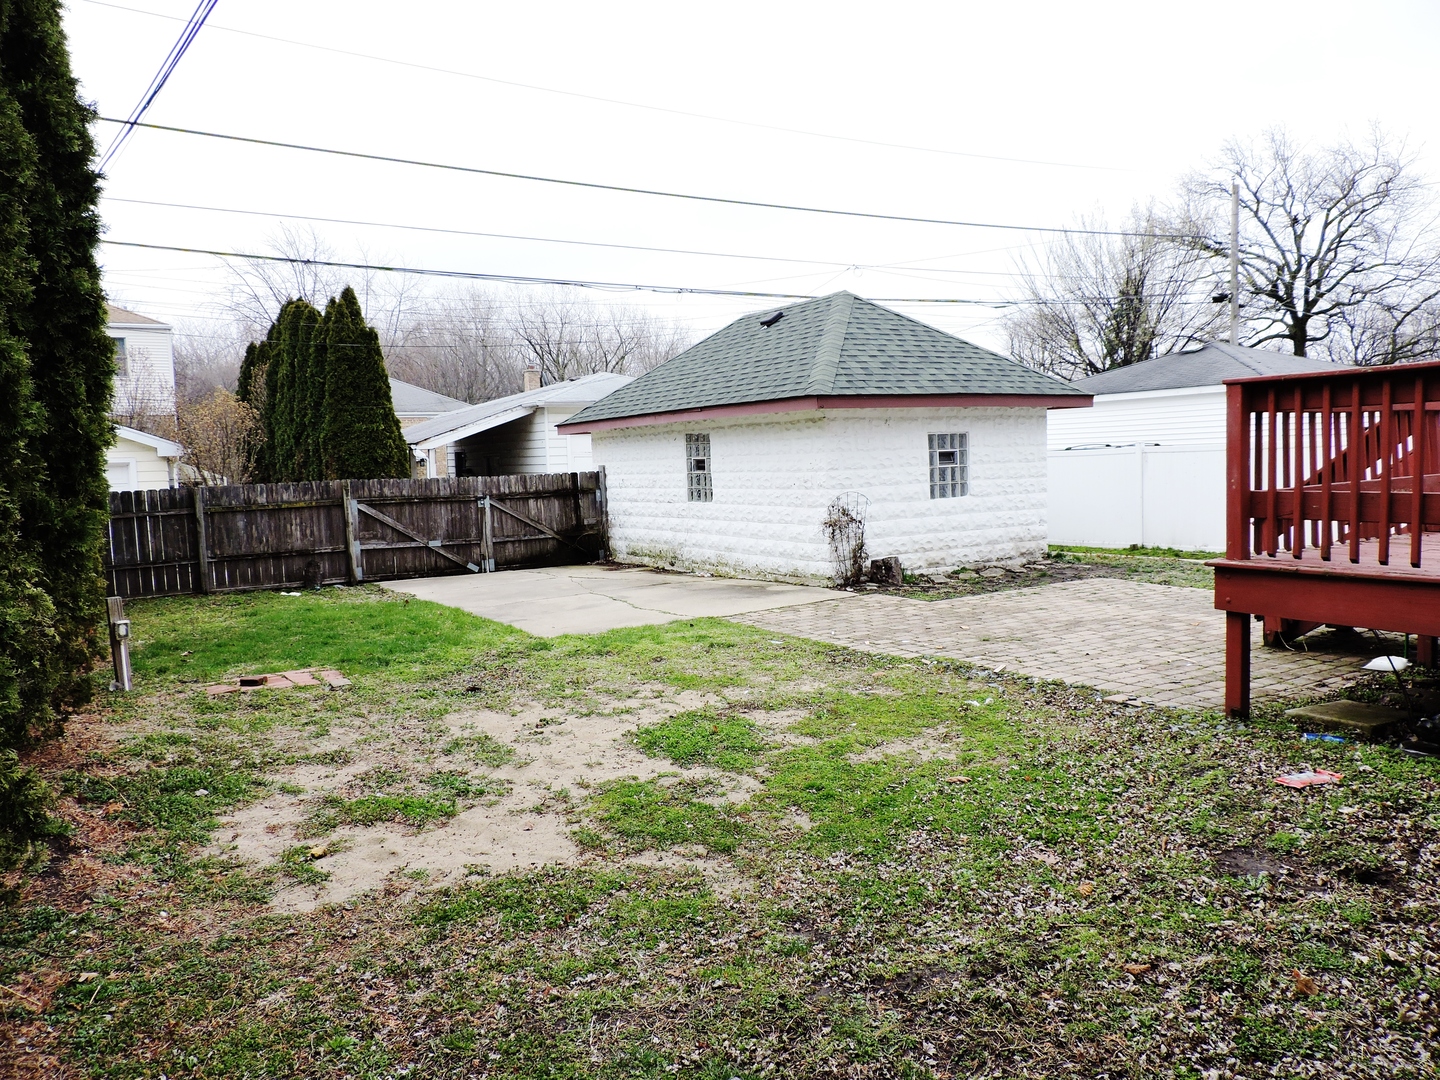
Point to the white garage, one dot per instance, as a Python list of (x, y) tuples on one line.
[(734, 455)]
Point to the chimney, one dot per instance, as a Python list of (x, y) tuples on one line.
[(532, 378)]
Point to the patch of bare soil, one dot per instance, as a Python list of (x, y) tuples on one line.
[(932, 746), (554, 758)]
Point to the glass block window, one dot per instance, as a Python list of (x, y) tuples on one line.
[(697, 467), (949, 466)]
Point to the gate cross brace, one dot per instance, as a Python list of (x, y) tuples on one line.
[(535, 524), (433, 545)]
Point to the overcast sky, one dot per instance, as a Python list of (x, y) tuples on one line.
[(1016, 113)]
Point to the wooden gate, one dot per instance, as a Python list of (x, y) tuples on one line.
[(268, 536)]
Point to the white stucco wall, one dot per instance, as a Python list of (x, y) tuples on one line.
[(774, 476)]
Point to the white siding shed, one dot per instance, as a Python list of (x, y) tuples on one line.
[(1146, 464)]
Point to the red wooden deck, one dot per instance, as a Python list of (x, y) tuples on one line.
[(1333, 512)]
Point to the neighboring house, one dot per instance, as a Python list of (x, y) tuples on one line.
[(515, 434), (144, 402), (144, 366), (1146, 465), (415, 403), (731, 456), (141, 461)]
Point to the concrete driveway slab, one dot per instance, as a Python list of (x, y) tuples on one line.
[(555, 600)]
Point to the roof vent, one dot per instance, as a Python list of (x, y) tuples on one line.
[(771, 320)]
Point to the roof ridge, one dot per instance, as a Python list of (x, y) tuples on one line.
[(832, 339)]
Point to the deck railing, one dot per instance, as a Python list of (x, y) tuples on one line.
[(1346, 460)]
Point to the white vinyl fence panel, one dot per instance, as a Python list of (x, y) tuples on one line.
[(1154, 496)]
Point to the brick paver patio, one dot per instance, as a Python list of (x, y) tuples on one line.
[(1158, 643)]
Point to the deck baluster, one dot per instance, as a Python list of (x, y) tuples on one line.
[(1327, 510)]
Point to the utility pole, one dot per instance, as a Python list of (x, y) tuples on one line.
[(1234, 262)]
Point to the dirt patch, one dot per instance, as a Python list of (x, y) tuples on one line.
[(719, 874), (1255, 862), (931, 747), (539, 763), (1059, 567)]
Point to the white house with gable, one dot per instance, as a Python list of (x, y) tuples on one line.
[(1146, 464), (144, 399), (730, 456)]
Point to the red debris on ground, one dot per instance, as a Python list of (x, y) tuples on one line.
[(281, 680)]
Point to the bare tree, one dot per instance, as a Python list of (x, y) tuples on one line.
[(1335, 256), (217, 431), (207, 357), (1091, 302), (473, 345), (458, 345), (566, 337)]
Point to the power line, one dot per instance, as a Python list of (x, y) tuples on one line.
[(597, 186), (621, 102), (167, 68), (466, 232), (520, 279), (877, 267)]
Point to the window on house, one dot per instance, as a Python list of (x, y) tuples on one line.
[(949, 466), (122, 361), (697, 467)]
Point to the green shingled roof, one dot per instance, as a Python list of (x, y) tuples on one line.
[(836, 345)]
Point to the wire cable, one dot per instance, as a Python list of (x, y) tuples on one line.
[(597, 186), (521, 279), (167, 68), (467, 232), (626, 104)]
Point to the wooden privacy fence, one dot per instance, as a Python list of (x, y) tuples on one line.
[(267, 536)]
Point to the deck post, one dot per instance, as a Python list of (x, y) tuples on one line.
[(1237, 664), (1237, 546), (1425, 650)]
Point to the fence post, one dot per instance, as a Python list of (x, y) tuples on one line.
[(352, 533), (202, 546), (119, 641), (602, 511), (487, 535)]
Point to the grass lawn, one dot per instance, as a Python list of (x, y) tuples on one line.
[(756, 856)]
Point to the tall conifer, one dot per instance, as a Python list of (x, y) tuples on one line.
[(56, 379), (28, 672), (360, 437), (61, 322)]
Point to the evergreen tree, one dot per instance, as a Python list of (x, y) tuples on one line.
[(250, 390), (245, 389), (282, 363), (28, 672), (62, 323), (56, 379), (290, 406), (264, 386), (360, 436), (316, 355)]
